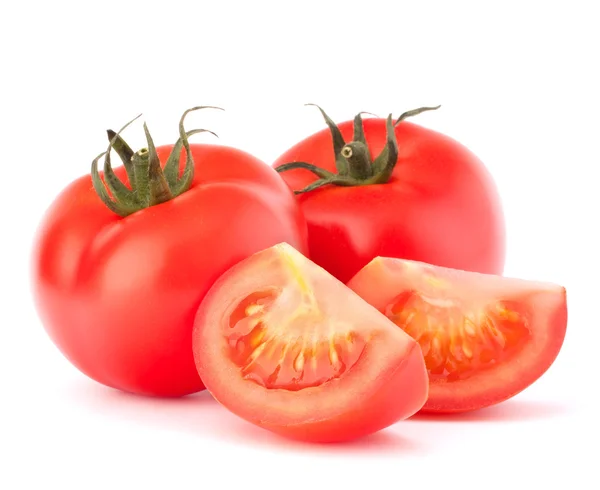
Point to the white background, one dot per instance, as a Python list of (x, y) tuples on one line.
[(518, 83)]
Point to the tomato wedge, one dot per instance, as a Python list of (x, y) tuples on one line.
[(485, 338), (283, 344)]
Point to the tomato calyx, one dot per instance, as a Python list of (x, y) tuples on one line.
[(149, 183), (353, 161)]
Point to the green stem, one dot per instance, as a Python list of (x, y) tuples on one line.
[(358, 157), (141, 166)]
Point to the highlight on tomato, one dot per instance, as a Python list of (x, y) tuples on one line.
[(286, 346), (485, 338), (391, 188), (123, 257)]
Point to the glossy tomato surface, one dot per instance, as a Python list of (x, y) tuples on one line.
[(118, 295), (485, 338), (440, 205), (286, 346)]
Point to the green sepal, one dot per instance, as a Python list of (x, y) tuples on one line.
[(171, 168), (159, 188), (319, 172), (125, 197), (338, 142), (414, 112), (384, 164), (100, 189), (359, 130), (118, 189), (123, 149)]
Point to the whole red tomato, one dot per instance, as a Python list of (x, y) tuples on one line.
[(117, 289), (394, 190)]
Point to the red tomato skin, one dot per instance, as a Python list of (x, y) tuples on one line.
[(118, 296), (440, 206)]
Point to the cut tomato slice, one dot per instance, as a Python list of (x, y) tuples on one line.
[(283, 344), (485, 338)]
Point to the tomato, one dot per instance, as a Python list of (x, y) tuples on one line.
[(286, 346), (485, 338), (425, 197), (118, 294)]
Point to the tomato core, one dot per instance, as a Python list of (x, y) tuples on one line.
[(457, 342), (279, 350)]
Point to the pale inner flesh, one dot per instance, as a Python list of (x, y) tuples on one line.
[(280, 337)]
